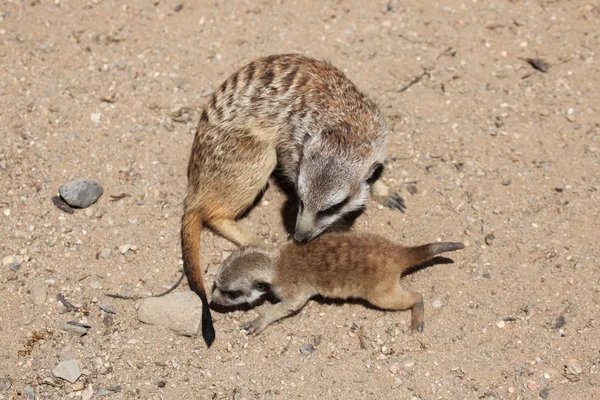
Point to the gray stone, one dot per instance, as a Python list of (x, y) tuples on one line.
[(38, 291), (5, 384), (104, 254), (29, 392), (69, 370), (179, 311), (80, 193)]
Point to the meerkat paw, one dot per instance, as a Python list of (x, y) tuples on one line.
[(382, 194), (255, 327), (393, 201)]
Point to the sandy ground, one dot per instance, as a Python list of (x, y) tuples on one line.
[(502, 156)]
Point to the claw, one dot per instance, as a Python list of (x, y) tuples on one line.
[(249, 328), (395, 202)]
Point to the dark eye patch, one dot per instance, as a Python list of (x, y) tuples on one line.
[(334, 208), (232, 294)]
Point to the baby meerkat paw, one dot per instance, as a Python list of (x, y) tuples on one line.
[(383, 195), (393, 201), (254, 327)]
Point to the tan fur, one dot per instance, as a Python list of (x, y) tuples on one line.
[(304, 115), (338, 266)]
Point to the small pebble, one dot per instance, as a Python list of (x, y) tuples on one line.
[(103, 392), (38, 291), (532, 386), (95, 285), (436, 304), (412, 189), (544, 393), (14, 266), (88, 393), (80, 192), (507, 181), (5, 384), (394, 368), (572, 370), (306, 349), (501, 324), (29, 392), (104, 254), (487, 275), (7, 212), (95, 117), (408, 364), (107, 310), (8, 260)]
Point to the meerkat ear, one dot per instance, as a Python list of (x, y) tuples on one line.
[(261, 286), (375, 173)]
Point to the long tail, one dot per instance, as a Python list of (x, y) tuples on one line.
[(419, 254), (191, 226)]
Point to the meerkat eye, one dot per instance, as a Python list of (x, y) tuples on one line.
[(232, 294), (300, 205), (260, 286), (334, 208)]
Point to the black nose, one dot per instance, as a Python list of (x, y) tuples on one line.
[(301, 237)]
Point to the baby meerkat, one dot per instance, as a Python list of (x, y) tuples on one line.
[(341, 266), (302, 115)]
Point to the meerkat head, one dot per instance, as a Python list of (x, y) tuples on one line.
[(245, 276), (333, 180)]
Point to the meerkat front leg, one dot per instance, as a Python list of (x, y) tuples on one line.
[(271, 313), (381, 193), (230, 230)]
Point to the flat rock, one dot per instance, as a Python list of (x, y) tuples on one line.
[(80, 193), (38, 291), (179, 311), (69, 370), (5, 384)]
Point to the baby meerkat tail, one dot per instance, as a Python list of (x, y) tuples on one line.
[(419, 254), (191, 225)]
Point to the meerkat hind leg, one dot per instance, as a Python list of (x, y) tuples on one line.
[(381, 193), (230, 230), (402, 300), (271, 313)]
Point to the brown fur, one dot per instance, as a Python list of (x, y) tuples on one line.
[(266, 114), (338, 266)]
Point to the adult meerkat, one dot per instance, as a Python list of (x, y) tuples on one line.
[(338, 266), (300, 114)]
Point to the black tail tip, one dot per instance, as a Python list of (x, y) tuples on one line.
[(208, 333), (208, 330)]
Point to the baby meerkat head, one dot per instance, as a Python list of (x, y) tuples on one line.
[(245, 276), (334, 179)]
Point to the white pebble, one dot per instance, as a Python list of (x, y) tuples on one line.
[(501, 324), (95, 117), (436, 303)]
